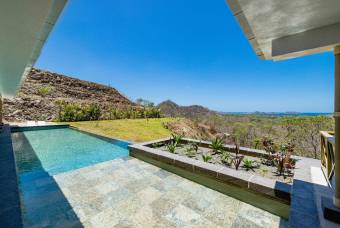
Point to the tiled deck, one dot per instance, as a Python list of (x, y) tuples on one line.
[(132, 193)]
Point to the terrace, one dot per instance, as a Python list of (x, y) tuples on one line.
[(50, 175)]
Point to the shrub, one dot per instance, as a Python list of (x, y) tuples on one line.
[(283, 161), (91, 112), (238, 158), (45, 90), (269, 147), (257, 143), (135, 113), (237, 161), (69, 112)]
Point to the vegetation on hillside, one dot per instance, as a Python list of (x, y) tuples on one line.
[(44, 90), (250, 130), (70, 112), (303, 132)]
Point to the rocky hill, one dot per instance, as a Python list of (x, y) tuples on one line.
[(171, 109), (37, 97)]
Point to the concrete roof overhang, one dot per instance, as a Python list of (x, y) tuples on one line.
[(24, 28), (282, 29)]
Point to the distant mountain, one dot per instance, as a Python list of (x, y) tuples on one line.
[(171, 109)]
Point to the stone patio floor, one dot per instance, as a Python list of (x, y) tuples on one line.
[(131, 193)]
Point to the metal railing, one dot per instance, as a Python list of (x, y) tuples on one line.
[(327, 155)]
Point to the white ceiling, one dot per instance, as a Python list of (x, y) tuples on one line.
[(266, 21), (24, 27)]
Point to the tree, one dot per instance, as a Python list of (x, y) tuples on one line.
[(145, 103), (312, 128)]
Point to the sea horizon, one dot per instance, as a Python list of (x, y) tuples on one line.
[(279, 113)]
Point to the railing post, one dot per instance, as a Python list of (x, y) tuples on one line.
[(337, 125)]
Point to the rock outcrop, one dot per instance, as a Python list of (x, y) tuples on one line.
[(41, 90)]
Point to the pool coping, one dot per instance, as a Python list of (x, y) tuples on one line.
[(15, 128), (264, 186)]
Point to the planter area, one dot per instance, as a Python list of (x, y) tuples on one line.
[(252, 161), (198, 157)]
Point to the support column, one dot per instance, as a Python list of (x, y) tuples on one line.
[(337, 125)]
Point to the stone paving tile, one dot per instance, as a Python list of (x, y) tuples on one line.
[(198, 204), (182, 215), (132, 193)]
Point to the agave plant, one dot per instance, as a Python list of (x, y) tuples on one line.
[(226, 158), (264, 171), (176, 138), (194, 146), (191, 150), (157, 144), (217, 144), (249, 164), (206, 157), (171, 146)]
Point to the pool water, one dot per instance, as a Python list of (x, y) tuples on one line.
[(60, 150)]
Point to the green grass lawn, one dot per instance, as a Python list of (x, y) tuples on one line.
[(136, 130)]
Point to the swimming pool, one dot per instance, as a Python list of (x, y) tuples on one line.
[(60, 150), (71, 179)]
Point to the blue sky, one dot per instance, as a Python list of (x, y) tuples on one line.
[(192, 52)]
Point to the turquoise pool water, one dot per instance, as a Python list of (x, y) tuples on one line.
[(59, 150)]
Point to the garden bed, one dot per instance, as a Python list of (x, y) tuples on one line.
[(256, 161)]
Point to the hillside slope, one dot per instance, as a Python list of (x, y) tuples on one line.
[(37, 97)]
